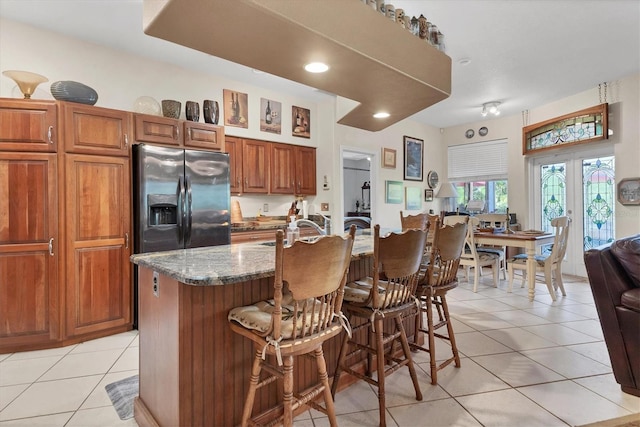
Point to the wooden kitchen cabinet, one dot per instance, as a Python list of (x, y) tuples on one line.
[(98, 271), (203, 135), (255, 166), (233, 146), (293, 169), (29, 251), (95, 130), (305, 170), (28, 126), (158, 130)]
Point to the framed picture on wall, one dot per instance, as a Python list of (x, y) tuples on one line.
[(388, 158), (301, 122), (270, 115), (413, 158), (428, 195), (413, 201), (393, 192), (235, 108)]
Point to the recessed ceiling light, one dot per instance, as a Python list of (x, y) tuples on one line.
[(316, 67), (464, 61), (381, 115), (257, 71)]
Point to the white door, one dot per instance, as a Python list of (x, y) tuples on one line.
[(580, 185)]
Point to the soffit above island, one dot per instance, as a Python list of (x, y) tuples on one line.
[(373, 60)]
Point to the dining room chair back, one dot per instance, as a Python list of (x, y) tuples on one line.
[(551, 264), (473, 258), (381, 301), (496, 221), (305, 311), (441, 277)]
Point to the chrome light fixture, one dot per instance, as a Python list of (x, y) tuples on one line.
[(490, 107)]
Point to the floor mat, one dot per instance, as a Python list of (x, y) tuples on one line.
[(122, 394)]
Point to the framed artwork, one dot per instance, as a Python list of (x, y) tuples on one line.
[(235, 108), (413, 158), (393, 192), (413, 201), (301, 122), (388, 158), (270, 116), (629, 191), (428, 195)]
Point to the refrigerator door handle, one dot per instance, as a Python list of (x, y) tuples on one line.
[(181, 212), (188, 212)]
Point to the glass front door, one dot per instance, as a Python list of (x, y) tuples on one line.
[(581, 186)]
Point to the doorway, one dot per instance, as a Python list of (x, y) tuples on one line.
[(580, 185), (358, 171)]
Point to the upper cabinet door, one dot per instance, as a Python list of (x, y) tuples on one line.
[(233, 146), (255, 166), (96, 130), (283, 180), (203, 135), (158, 130), (305, 160), (28, 126)]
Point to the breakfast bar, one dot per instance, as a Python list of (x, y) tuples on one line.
[(193, 368)]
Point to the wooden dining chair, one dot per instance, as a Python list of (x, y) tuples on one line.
[(305, 312), (495, 220), (550, 265), (396, 258), (471, 256)]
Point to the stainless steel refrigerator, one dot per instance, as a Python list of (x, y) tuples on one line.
[(181, 200)]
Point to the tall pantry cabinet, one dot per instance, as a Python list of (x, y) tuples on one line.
[(66, 226), (29, 230)]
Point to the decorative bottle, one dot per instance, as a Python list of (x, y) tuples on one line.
[(267, 114), (293, 232)]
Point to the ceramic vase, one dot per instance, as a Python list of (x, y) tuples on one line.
[(210, 111), (171, 108), (192, 111)]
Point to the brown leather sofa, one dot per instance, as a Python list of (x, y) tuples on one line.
[(614, 276)]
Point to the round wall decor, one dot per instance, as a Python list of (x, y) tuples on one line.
[(432, 179)]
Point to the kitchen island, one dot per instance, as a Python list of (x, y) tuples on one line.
[(193, 369)]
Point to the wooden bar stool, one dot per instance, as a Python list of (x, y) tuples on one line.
[(305, 312), (388, 294), (441, 275)]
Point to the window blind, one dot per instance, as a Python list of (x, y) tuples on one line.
[(479, 161)]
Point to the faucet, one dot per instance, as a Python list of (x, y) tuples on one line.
[(327, 224), (323, 231), (311, 224)]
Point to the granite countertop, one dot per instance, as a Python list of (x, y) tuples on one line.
[(225, 264), (266, 223)]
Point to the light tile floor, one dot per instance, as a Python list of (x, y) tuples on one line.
[(539, 363)]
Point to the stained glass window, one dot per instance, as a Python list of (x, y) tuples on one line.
[(553, 196), (576, 128), (598, 183)]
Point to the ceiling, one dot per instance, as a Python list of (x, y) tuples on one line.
[(523, 53)]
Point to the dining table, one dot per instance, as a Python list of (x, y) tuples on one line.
[(529, 241)]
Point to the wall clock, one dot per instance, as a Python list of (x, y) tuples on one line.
[(432, 179)]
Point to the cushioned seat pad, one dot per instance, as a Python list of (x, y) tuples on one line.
[(358, 291)]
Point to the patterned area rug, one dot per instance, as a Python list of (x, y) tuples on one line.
[(122, 394), (627, 421)]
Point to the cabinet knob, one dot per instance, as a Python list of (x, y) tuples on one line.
[(50, 134), (126, 240), (126, 140), (51, 246)]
